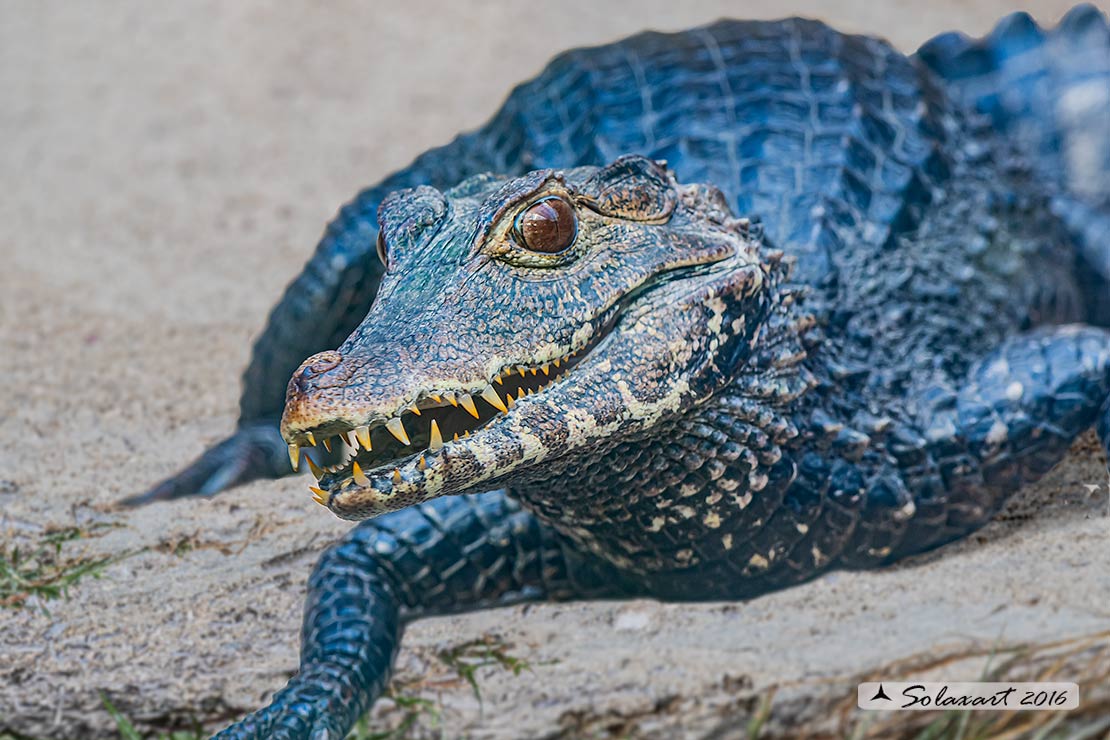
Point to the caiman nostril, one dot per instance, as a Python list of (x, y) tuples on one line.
[(314, 367), (320, 363)]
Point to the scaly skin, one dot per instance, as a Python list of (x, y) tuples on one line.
[(857, 308)]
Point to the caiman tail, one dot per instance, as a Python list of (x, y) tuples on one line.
[(1048, 93)]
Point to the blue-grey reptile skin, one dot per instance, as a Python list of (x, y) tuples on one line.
[(859, 305)]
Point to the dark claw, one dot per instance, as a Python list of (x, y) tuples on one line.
[(254, 451)]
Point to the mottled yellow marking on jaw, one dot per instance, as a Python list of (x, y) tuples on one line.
[(432, 476)]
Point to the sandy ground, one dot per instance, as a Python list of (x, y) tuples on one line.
[(165, 173)]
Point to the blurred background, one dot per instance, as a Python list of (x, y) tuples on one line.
[(166, 170)]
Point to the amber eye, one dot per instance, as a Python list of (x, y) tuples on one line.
[(383, 255), (548, 225)]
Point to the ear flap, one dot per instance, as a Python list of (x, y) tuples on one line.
[(633, 187)]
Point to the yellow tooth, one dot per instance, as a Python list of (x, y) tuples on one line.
[(535, 370), (435, 440), (451, 399), (327, 444), (499, 380), (491, 397), (421, 463), (313, 467), (396, 476), (310, 438), (397, 429), (521, 394), (359, 476), (294, 456), (521, 369), (363, 435), (414, 410), (456, 437), (509, 400), (436, 397), (319, 496), (467, 402), (546, 369), (556, 363), (466, 433)]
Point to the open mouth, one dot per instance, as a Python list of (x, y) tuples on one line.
[(420, 431)]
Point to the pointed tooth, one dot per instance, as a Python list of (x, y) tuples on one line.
[(294, 456), (491, 397), (467, 402), (499, 380), (535, 370), (363, 435), (327, 443), (319, 496), (397, 429), (313, 467), (435, 439), (451, 399), (509, 400), (310, 438), (556, 362), (546, 369), (521, 394), (350, 438), (359, 476), (414, 409), (421, 463), (436, 397), (456, 437), (396, 476), (521, 370), (466, 433)]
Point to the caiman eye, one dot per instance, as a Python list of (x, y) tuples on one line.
[(383, 255), (548, 225)]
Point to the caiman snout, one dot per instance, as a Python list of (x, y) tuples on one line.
[(314, 389)]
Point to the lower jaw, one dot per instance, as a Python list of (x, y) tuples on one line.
[(453, 421)]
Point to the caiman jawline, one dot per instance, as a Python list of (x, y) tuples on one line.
[(423, 428)]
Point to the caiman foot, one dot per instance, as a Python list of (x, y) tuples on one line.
[(255, 451)]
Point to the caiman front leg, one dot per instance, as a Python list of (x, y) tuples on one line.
[(450, 555), (1010, 421)]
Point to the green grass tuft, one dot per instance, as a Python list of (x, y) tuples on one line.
[(418, 713), (40, 573), (127, 730), (415, 710), (466, 659)]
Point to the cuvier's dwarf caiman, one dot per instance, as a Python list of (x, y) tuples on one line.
[(696, 315)]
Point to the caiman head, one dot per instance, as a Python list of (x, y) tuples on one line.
[(528, 322)]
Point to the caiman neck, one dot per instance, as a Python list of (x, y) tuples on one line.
[(677, 491)]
